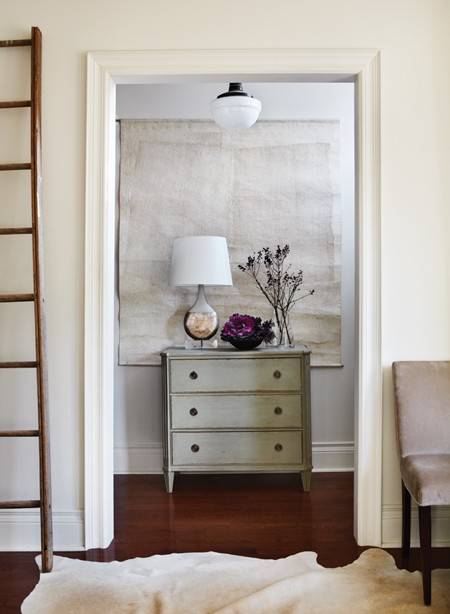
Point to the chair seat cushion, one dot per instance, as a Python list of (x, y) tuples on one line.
[(427, 477)]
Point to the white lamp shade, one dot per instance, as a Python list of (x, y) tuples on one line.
[(235, 111), (200, 260)]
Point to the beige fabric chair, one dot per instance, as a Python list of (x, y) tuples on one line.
[(422, 396)]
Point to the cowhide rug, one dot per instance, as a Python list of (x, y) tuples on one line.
[(208, 582)]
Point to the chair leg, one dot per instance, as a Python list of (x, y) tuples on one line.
[(406, 521), (425, 548)]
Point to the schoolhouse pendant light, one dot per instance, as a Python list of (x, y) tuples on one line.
[(235, 108)]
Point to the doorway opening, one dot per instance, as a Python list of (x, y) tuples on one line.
[(138, 402), (105, 74)]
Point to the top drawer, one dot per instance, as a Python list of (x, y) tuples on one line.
[(235, 375)]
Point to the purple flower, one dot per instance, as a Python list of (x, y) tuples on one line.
[(240, 325), (245, 327)]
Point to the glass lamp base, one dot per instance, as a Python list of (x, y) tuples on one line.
[(201, 322)]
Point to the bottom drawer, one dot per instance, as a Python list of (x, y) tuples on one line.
[(237, 448)]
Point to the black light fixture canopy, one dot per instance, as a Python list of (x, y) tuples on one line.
[(234, 89)]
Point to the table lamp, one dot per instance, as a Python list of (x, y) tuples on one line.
[(200, 261)]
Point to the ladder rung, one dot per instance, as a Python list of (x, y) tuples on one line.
[(16, 231), (16, 298), (24, 364), (13, 505), (15, 166), (26, 433), (15, 104), (21, 42)]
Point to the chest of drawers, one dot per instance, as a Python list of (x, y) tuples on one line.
[(226, 411)]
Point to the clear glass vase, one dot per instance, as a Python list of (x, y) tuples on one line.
[(275, 342), (283, 330), (287, 337)]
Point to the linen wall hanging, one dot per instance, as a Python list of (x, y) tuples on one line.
[(275, 183)]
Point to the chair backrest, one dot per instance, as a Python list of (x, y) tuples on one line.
[(422, 398)]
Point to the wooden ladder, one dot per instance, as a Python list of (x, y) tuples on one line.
[(40, 362)]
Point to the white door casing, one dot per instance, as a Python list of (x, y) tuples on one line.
[(104, 71)]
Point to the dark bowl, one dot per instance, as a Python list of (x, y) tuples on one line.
[(249, 343)]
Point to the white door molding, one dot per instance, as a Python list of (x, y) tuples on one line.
[(104, 71)]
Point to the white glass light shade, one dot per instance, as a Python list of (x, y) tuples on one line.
[(200, 261), (235, 111)]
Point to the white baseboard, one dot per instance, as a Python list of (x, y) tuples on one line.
[(333, 456), (147, 457), (138, 458), (392, 526), (20, 530)]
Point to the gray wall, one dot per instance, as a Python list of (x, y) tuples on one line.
[(137, 410)]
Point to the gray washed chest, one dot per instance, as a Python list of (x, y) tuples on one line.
[(227, 411)]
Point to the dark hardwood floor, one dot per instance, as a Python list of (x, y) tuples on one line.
[(262, 516), (265, 516)]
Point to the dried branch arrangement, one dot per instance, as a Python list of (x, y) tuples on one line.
[(281, 286)]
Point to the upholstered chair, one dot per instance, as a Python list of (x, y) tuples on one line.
[(422, 398)]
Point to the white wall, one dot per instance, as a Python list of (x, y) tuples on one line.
[(137, 435), (414, 39)]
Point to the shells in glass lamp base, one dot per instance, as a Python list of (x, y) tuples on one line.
[(201, 326)]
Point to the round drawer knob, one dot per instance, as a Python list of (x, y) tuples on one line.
[(193, 375), (278, 411), (277, 374), (195, 448), (278, 447), (193, 411)]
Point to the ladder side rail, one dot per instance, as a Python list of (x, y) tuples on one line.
[(39, 314)]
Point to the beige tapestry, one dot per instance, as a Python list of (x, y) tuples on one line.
[(275, 183)]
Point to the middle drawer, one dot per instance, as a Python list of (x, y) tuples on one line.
[(236, 411)]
